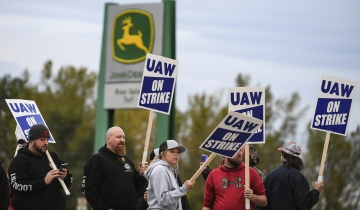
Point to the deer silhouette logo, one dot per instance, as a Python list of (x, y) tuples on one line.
[(129, 39)]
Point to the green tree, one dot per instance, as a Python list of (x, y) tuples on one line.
[(341, 172)]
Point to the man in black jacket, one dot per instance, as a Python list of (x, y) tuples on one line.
[(110, 179), (286, 187), (32, 179)]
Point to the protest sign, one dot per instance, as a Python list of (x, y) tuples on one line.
[(158, 83), (233, 131), (157, 88), (228, 137), (333, 106), (332, 110), (251, 102), (26, 114)]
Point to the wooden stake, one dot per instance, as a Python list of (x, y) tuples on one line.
[(67, 192), (247, 175), (202, 167), (323, 158), (147, 139)]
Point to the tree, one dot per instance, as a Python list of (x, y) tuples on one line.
[(341, 171)]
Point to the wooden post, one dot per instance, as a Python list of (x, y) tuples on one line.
[(67, 192), (247, 175), (202, 167), (323, 158), (147, 138)]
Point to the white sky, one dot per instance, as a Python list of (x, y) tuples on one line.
[(285, 44)]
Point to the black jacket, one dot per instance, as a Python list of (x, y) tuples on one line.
[(4, 189), (109, 183), (288, 189), (142, 204), (26, 173)]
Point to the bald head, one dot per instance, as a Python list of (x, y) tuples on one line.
[(115, 140)]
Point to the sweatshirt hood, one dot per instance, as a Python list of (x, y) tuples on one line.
[(223, 168), (26, 151), (153, 166), (106, 150)]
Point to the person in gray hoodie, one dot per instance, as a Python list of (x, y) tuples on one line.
[(164, 191)]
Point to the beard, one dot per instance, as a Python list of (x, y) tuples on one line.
[(38, 149), (121, 149), (234, 162)]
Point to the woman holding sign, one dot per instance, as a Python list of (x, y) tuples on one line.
[(163, 189)]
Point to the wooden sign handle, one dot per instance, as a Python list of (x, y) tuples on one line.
[(202, 167), (247, 175), (323, 158), (67, 192), (147, 139)]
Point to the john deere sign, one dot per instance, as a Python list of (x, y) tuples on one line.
[(132, 31), (132, 36)]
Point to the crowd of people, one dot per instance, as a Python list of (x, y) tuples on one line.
[(112, 181)]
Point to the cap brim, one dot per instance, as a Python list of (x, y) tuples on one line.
[(181, 148), (280, 149)]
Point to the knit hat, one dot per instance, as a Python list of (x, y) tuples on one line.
[(291, 148), (170, 144), (38, 131), (154, 153)]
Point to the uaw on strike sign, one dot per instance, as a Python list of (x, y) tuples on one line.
[(232, 132), (158, 83), (26, 114), (251, 102), (334, 104)]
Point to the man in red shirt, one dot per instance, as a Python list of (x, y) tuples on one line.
[(225, 186)]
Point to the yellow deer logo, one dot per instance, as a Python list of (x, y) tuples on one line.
[(128, 39)]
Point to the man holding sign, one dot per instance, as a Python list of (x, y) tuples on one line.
[(225, 186), (32, 178), (286, 186)]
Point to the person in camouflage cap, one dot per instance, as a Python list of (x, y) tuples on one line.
[(254, 160)]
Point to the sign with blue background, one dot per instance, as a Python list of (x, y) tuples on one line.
[(251, 102), (230, 135), (26, 114), (333, 106), (158, 83)]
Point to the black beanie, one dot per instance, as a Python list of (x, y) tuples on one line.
[(38, 131)]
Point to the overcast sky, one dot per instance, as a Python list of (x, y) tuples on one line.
[(285, 44)]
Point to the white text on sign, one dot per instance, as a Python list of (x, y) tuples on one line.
[(331, 119)]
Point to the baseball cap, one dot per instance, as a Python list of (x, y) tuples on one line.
[(38, 131), (154, 153), (291, 148), (170, 144)]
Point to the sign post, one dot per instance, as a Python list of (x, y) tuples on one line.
[(251, 102), (157, 88), (332, 110)]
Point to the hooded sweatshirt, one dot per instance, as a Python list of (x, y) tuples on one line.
[(27, 172), (224, 189), (163, 189), (109, 183)]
